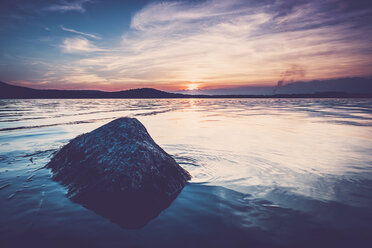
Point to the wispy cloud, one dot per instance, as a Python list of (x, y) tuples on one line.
[(79, 45), (218, 43), (65, 6), (81, 33)]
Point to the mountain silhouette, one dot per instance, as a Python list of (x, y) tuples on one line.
[(312, 89), (8, 91), (352, 85)]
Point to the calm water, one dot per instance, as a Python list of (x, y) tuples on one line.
[(266, 173)]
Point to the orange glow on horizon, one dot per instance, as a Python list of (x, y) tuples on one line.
[(193, 86)]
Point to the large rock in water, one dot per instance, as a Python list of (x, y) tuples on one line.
[(119, 172)]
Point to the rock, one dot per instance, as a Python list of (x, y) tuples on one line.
[(119, 172)]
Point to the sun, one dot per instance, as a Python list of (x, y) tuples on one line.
[(192, 87)]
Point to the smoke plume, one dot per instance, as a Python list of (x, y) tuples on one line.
[(294, 73)]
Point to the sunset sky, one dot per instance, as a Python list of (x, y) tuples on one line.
[(176, 45)]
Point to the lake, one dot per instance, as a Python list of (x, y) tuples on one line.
[(265, 173)]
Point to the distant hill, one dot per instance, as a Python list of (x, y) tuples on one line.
[(8, 91), (353, 85), (313, 89)]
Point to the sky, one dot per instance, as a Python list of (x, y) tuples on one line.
[(182, 45)]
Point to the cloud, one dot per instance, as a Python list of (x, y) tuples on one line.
[(216, 43), (228, 41), (65, 6), (79, 45), (81, 33)]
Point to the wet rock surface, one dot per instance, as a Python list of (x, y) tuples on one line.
[(119, 172)]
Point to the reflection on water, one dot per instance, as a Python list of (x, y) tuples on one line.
[(266, 172), (131, 211)]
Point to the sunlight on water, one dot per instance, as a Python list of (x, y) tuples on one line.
[(278, 150), (232, 143)]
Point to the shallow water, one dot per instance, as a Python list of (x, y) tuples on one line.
[(266, 173)]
